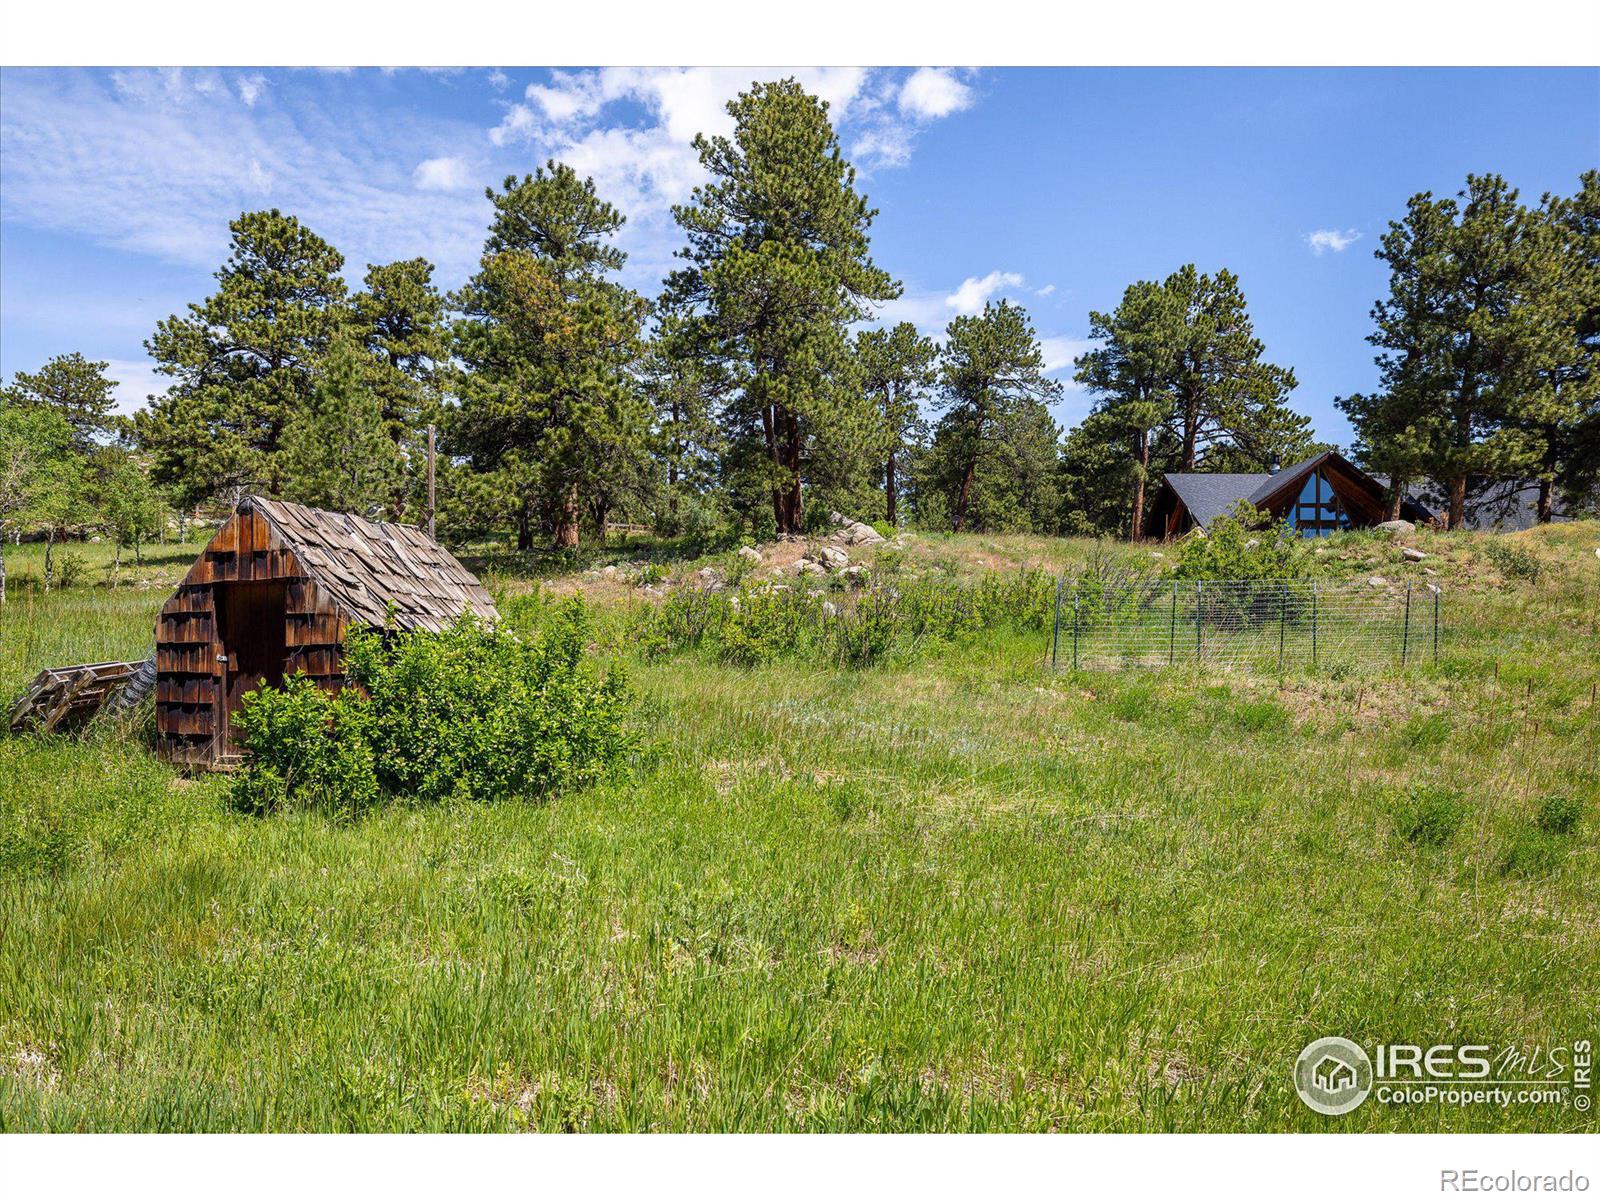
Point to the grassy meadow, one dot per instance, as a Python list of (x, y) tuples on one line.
[(953, 892)]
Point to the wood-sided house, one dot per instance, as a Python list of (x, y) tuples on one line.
[(275, 592), (1320, 496)]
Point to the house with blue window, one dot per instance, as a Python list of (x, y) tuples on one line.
[(1318, 497)]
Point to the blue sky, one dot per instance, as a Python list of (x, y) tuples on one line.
[(1054, 187)]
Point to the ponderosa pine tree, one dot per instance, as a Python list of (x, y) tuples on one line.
[(1562, 410), (896, 370), (1133, 375), (778, 269), (336, 452), (993, 394), (1459, 342), (243, 360), (399, 317), (76, 388), (686, 443), (1223, 392), (548, 339)]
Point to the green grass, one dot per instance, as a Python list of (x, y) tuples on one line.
[(952, 895)]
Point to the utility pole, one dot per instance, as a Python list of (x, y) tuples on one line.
[(430, 480)]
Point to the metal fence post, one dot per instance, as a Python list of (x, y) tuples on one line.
[(1313, 624), (1405, 630), (1199, 609), (1436, 594), (1055, 632)]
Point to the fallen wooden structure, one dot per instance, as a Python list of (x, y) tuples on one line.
[(61, 698)]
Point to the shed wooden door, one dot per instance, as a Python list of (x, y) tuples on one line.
[(251, 628)]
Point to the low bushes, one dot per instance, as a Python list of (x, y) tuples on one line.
[(890, 619), (472, 712)]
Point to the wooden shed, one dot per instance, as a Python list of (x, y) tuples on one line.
[(274, 593)]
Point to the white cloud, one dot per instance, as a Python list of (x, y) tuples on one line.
[(1331, 239), (441, 175), (1047, 290), (1059, 352), (968, 299), (933, 92), (250, 89), (136, 381), (499, 80), (148, 163)]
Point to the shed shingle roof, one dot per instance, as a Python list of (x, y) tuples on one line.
[(364, 566)]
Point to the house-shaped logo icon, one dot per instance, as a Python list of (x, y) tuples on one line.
[(1334, 1075)]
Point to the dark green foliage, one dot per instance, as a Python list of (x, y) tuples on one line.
[(778, 268), (1559, 814), (1244, 544), (76, 389), (994, 452), (337, 450), (1429, 816), (1181, 384), (548, 406), (468, 714), (897, 369), (243, 360)]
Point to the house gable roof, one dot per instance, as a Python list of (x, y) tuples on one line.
[(364, 566), (1209, 496)]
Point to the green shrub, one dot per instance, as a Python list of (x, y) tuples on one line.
[(1559, 815), (768, 623), (1512, 559), (651, 574), (71, 569), (1242, 545), (469, 713), (1429, 816), (1532, 852)]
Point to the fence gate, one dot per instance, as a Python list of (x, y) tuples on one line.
[(1245, 624)]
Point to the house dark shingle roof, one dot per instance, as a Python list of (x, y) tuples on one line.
[(365, 565)]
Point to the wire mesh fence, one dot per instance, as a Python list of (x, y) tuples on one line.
[(1244, 624)]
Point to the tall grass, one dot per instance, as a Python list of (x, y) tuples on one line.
[(948, 893)]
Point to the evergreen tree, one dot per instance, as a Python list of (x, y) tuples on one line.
[(242, 360), (336, 452), (1134, 376), (400, 319), (1223, 392), (897, 369), (686, 440), (778, 268), (548, 340), (1097, 475), (1562, 410), (74, 387), (993, 394), (1460, 344)]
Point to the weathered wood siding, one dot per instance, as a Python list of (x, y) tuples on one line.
[(189, 675)]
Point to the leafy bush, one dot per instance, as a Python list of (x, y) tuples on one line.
[(1429, 816), (706, 525), (651, 574), (471, 712), (71, 569), (1532, 852), (1512, 559), (890, 618), (1242, 545), (1559, 814)]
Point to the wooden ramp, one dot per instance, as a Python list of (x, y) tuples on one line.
[(66, 697)]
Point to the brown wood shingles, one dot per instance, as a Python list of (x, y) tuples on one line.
[(341, 570)]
